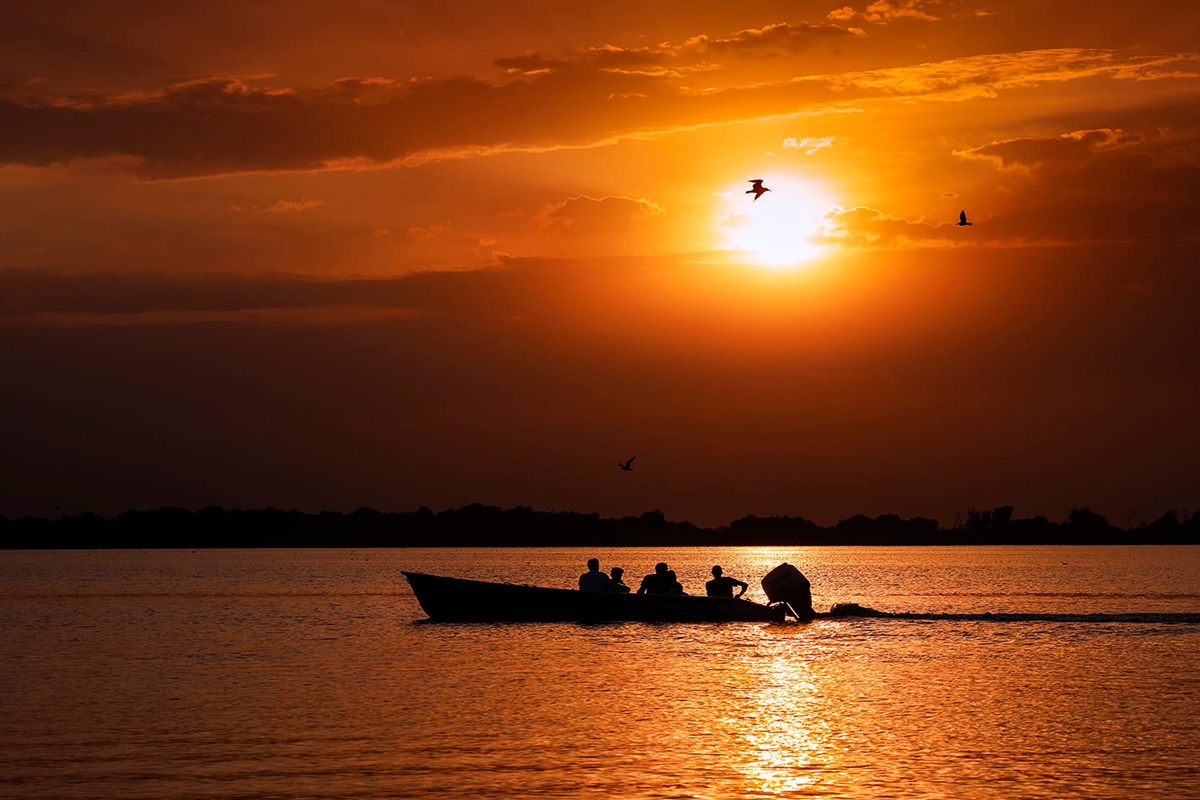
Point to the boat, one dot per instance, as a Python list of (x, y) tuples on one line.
[(446, 599)]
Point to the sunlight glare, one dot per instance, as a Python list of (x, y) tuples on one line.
[(783, 228)]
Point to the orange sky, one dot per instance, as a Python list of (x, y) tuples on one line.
[(324, 255)]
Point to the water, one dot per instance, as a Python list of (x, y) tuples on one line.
[(303, 674)]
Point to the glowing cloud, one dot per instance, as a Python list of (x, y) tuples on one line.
[(808, 145)]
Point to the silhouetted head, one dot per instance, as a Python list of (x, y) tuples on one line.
[(671, 574), (617, 572), (660, 568), (593, 563), (716, 572)]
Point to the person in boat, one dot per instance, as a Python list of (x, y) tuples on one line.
[(657, 582), (722, 585), (593, 580), (615, 582), (676, 586)]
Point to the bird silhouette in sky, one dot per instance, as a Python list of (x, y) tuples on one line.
[(962, 218), (627, 466), (758, 189)]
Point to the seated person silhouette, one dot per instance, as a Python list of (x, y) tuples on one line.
[(722, 585), (676, 586), (615, 584), (593, 580), (657, 582)]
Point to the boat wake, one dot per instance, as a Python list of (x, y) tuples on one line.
[(842, 610)]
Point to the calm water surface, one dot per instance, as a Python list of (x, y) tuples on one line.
[(305, 674)]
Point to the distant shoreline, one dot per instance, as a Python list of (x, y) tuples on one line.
[(490, 526)]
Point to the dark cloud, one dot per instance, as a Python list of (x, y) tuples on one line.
[(1073, 146), (511, 286), (195, 128), (1102, 184), (221, 124), (225, 125), (867, 227), (29, 292), (585, 216), (1085, 196)]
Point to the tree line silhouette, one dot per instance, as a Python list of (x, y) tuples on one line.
[(478, 525)]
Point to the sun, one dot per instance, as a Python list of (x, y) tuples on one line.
[(783, 228)]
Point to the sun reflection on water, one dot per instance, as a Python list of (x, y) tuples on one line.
[(786, 731)]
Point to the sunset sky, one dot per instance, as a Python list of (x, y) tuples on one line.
[(326, 255)]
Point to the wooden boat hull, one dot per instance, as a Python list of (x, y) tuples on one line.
[(461, 600)]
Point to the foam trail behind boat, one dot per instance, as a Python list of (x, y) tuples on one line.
[(855, 610)]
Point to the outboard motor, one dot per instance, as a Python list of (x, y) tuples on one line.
[(786, 584)]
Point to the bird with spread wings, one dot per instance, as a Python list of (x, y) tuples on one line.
[(758, 189)]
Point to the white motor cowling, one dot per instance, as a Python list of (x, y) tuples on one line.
[(786, 584)]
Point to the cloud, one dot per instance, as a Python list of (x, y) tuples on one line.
[(29, 296), (513, 285), (770, 39), (285, 206), (1074, 146), (881, 12), (1132, 181), (529, 64), (1086, 186), (809, 145), (1114, 197), (585, 216), (678, 60), (27, 292), (988, 75), (631, 59), (422, 234), (219, 126), (282, 206), (255, 316), (863, 226)]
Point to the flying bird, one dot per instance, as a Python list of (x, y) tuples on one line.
[(962, 218), (758, 189), (627, 466)]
